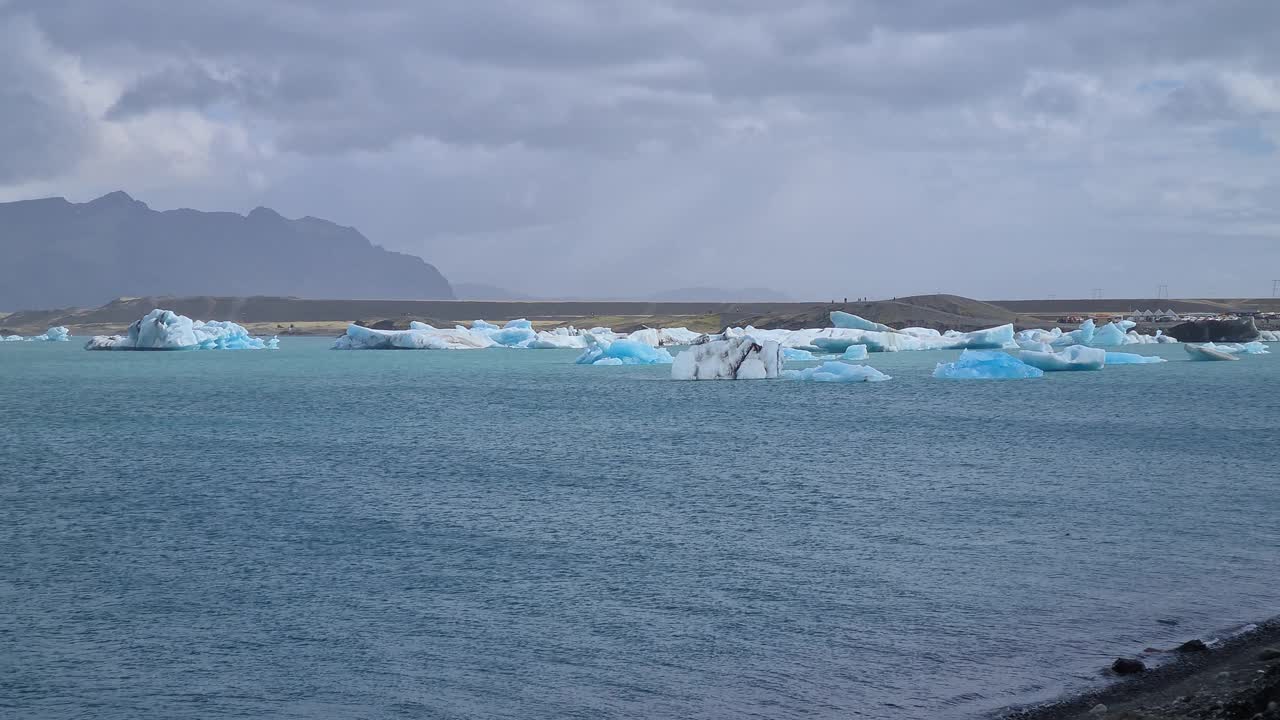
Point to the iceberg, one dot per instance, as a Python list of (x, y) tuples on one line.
[(1076, 357), (986, 365), (602, 351), (855, 352), (1249, 348), (483, 326), (797, 355), (1120, 358), (742, 358), (837, 372), (1201, 352), (419, 336), (850, 321), (167, 330), (1109, 335), (11, 338), (1269, 335), (53, 334), (521, 324), (1082, 335), (988, 339)]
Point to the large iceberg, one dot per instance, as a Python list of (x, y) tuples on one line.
[(1202, 352), (603, 351), (53, 334), (1076, 357), (986, 365), (1109, 335), (1120, 358), (837, 372), (742, 358), (167, 330)]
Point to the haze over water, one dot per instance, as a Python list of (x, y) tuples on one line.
[(502, 534)]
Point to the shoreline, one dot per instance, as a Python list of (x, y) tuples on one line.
[(1238, 678)]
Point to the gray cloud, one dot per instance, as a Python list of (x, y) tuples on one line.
[(552, 146)]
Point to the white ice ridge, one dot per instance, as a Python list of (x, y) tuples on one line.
[(167, 330), (837, 372), (1076, 357), (743, 358)]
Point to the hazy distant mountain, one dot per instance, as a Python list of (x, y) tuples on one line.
[(482, 291), (715, 294), (54, 253)]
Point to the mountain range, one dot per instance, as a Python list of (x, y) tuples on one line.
[(55, 253)]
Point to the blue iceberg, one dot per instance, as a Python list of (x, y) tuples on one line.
[(601, 351), (1076, 357), (796, 354), (167, 330), (1119, 358), (986, 365), (853, 322), (855, 352), (1109, 335), (988, 339), (837, 372), (482, 325)]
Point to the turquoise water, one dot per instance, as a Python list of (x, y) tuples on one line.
[(503, 534)]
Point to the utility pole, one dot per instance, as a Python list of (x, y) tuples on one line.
[(1275, 288), (1162, 292)]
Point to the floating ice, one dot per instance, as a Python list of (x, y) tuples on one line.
[(53, 334), (1269, 335), (1082, 335), (853, 322), (1109, 335), (11, 338), (1033, 346), (482, 325), (798, 355), (602, 351), (521, 324), (1201, 352), (986, 365), (419, 336), (742, 358), (167, 330), (855, 352), (1076, 357), (1249, 348), (837, 372), (1120, 358)]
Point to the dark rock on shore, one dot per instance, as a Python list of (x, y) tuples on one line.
[(1191, 646), (1198, 331), (1127, 666)]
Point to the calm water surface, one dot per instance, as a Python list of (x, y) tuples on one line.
[(502, 534)]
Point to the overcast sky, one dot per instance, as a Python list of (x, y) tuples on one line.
[(991, 148)]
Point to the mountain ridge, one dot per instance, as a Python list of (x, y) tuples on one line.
[(55, 253)]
